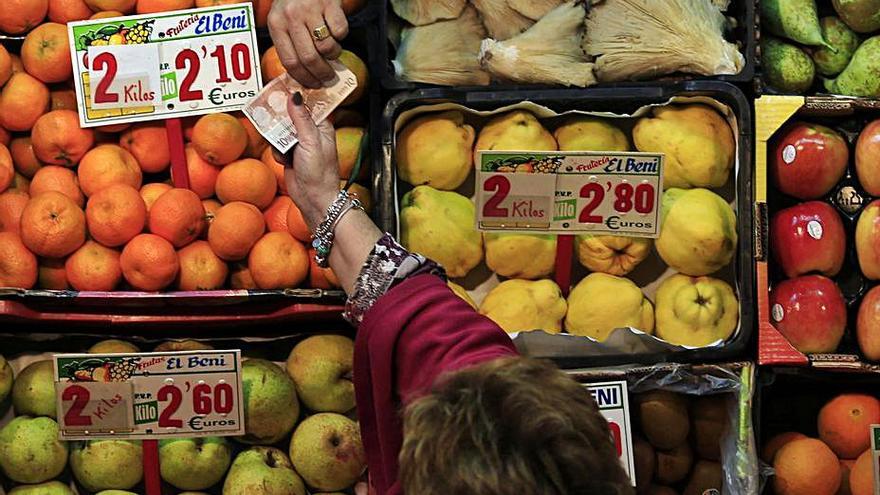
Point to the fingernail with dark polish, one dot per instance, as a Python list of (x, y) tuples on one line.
[(297, 98)]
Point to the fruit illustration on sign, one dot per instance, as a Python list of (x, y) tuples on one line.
[(808, 237), (118, 34), (810, 312), (808, 160)]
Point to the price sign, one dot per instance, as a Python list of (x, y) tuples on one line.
[(168, 65), (149, 395), (565, 192), (613, 402)]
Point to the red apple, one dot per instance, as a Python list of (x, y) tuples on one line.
[(808, 237), (868, 240), (808, 160), (868, 158), (810, 312), (868, 325)]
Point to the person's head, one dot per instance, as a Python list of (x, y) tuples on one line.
[(512, 426)]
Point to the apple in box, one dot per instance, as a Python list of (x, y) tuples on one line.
[(808, 160), (810, 312), (868, 240), (868, 158), (808, 237)]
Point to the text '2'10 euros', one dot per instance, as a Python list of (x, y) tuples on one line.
[(149, 395), (167, 65), (570, 191)]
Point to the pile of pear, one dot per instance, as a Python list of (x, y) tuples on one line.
[(435, 153), (301, 434)]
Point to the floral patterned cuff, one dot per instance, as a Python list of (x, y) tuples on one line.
[(387, 265)]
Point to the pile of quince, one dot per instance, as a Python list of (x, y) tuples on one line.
[(435, 153)]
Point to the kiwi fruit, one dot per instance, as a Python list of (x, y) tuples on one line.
[(664, 418), (705, 476), (673, 465), (643, 454)]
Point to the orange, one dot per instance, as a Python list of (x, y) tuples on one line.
[(19, 16), (219, 138), (7, 169), (118, 7), (277, 169), (149, 263), (261, 12), (52, 225), (178, 216), (211, 207), (65, 11), (278, 261), (62, 99), (152, 6), (51, 274), (348, 147), (112, 129), (12, 203), (5, 137), (777, 442), (200, 268), (94, 267), (276, 214), (23, 158), (861, 476), (18, 266), (247, 180), (58, 139), (116, 214), (23, 99), (202, 175), (296, 224), (271, 65), (846, 466), (256, 143), (149, 145), (108, 164), (806, 466), (845, 423), (359, 68), (361, 193), (45, 52), (235, 229), (151, 192), (321, 278), (106, 14), (59, 179), (240, 277), (5, 65), (351, 7)]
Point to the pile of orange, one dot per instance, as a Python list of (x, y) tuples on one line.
[(96, 209)]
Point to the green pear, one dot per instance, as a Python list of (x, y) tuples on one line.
[(47, 488), (270, 404), (787, 68), (841, 37), (33, 393), (796, 20), (182, 345), (860, 76), (863, 16), (194, 463), (107, 464), (321, 368), (113, 346), (115, 492), (6, 378), (440, 225), (263, 470), (30, 451), (326, 451)]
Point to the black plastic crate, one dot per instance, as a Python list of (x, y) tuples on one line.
[(621, 99), (743, 35)]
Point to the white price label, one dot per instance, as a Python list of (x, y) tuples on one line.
[(167, 65), (613, 401), (564, 192), (149, 395)]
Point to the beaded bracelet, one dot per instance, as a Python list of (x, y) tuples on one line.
[(322, 239)]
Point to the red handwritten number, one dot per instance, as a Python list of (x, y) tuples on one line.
[(189, 58), (615, 435), (241, 69), (176, 396), (105, 61), (644, 198), (201, 399), (624, 194), (501, 186), (220, 54), (80, 397), (223, 398), (595, 193)]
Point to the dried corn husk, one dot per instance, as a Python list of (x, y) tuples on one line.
[(445, 52), (421, 12), (534, 9), (639, 39), (500, 19), (547, 53)]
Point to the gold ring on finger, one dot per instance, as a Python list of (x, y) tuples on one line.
[(321, 33)]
